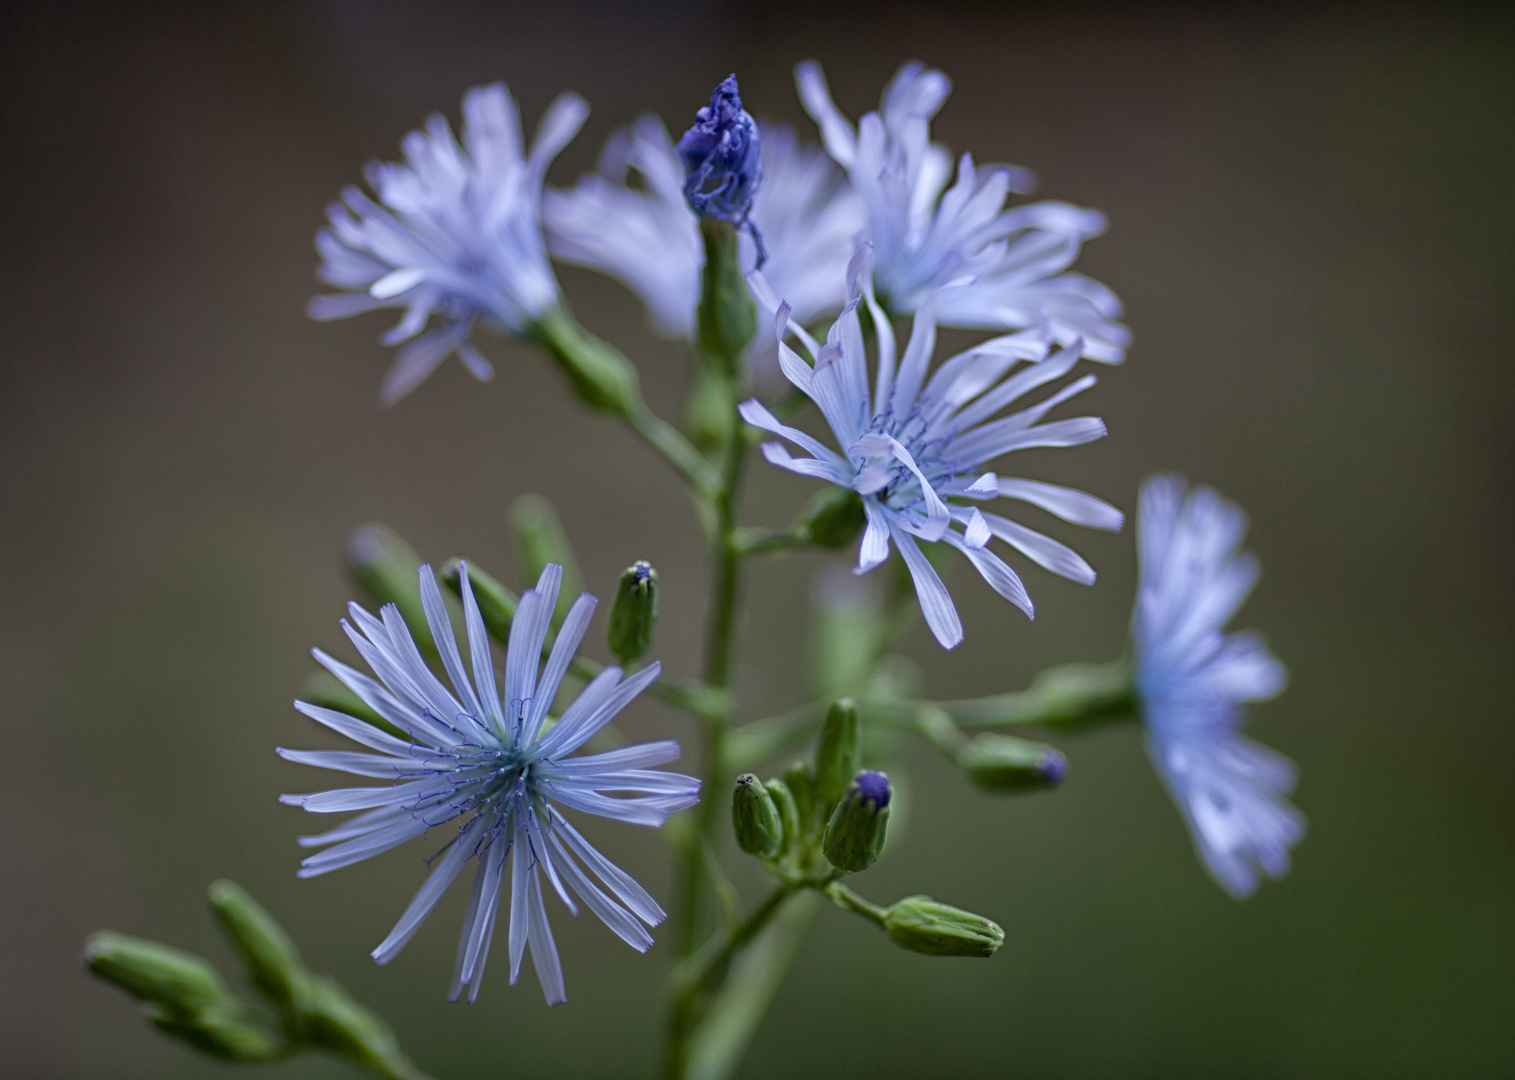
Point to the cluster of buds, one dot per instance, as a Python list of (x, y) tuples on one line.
[(828, 817), (185, 997)]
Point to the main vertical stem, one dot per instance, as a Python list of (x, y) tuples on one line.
[(720, 640)]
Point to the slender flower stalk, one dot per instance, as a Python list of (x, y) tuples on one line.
[(455, 233), (915, 449), (1193, 679), (985, 267), (493, 764)]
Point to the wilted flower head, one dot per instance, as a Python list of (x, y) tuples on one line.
[(645, 236), (456, 233), (722, 156), (1193, 678), (987, 267), (915, 443), (492, 764)]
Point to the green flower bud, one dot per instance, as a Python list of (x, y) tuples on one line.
[(1005, 763), (155, 973), (837, 754), (800, 780), (727, 316), (385, 566), (634, 615), (272, 961), (789, 815), (597, 372), (539, 540), (855, 834), (497, 604), (759, 831), (833, 518), (922, 925), (183, 996)]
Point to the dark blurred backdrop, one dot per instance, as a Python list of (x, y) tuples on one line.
[(1312, 229)]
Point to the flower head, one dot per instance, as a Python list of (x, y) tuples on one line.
[(1192, 679), (456, 233), (644, 235), (987, 267), (722, 156), (914, 448), (492, 764)]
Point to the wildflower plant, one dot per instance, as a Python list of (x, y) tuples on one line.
[(486, 730)]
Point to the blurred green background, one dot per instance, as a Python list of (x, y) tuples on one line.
[(1312, 230)]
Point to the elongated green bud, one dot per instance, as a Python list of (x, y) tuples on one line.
[(183, 995), (539, 540), (837, 754), (755, 818), (727, 316), (634, 615), (272, 961), (922, 925), (1004, 763), (789, 816), (799, 778), (156, 973), (385, 566), (833, 518), (597, 372), (855, 834), (497, 604)]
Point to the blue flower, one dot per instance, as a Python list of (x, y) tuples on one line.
[(987, 267), (498, 766), (722, 155), (1192, 679), (645, 236), (456, 233), (915, 448)]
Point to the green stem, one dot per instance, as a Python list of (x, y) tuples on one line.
[(697, 976), (678, 451), (854, 903)]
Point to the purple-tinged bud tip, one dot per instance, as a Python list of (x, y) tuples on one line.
[(874, 786)]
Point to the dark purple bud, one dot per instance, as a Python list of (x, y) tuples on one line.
[(723, 161)]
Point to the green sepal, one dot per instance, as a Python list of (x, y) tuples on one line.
[(789, 815), (597, 372), (497, 603), (923, 925), (838, 754), (755, 818), (634, 614), (833, 518)]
